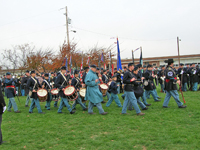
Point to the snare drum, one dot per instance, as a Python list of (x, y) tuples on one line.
[(42, 95), (82, 93), (104, 88), (54, 91), (71, 93)]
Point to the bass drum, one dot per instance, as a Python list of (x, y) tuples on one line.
[(42, 95)]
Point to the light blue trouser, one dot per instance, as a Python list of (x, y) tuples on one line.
[(139, 103), (98, 105), (55, 103), (195, 86), (130, 97), (33, 103), (123, 96), (118, 88), (175, 95), (155, 92), (78, 101), (12, 103), (144, 99), (108, 95), (64, 102), (152, 92), (28, 99), (48, 103), (184, 87), (115, 97), (147, 94), (22, 92)]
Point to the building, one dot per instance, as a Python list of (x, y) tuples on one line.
[(157, 61)]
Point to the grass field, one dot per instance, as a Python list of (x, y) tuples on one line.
[(172, 128)]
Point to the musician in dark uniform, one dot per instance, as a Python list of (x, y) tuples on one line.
[(182, 74), (24, 83), (128, 79), (161, 77), (105, 80), (171, 85), (155, 71), (116, 73), (46, 85), (138, 90), (55, 97), (188, 75), (10, 92), (61, 83), (33, 85), (77, 85), (150, 88), (2, 109), (109, 74), (84, 74), (194, 77), (113, 91)]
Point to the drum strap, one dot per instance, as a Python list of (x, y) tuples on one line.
[(77, 79), (47, 84), (64, 79), (35, 82)]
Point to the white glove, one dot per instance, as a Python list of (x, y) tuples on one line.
[(4, 108)]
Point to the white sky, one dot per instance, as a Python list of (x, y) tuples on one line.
[(152, 24)]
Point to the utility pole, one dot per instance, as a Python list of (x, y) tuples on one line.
[(178, 50), (67, 29)]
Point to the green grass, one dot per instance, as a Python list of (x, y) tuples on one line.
[(159, 128)]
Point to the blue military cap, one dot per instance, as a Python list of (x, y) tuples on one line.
[(93, 66), (63, 68), (181, 64), (136, 68), (149, 65), (97, 68), (130, 64), (76, 72), (46, 75), (8, 73), (139, 65), (33, 71), (144, 66), (85, 68)]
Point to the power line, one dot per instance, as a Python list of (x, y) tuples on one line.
[(30, 17)]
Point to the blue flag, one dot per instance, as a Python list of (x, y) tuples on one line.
[(119, 65), (66, 65)]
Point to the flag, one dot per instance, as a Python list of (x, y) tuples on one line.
[(88, 61), (102, 58), (70, 63), (119, 65), (136, 49), (110, 57), (81, 67), (141, 60), (66, 64)]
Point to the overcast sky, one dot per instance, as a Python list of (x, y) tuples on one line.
[(152, 24)]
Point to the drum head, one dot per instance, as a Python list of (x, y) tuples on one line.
[(54, 91), (103, 86), (82, 92), (42, 92), (109, 83), (69, 90)]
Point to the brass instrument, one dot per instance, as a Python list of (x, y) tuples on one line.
[(120, 71)]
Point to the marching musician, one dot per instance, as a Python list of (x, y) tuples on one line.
[(10, 92), (171, 85), (105, 80), (194, 77), (77, 85), (46, 85), (2, 110), (188, 75), (109, 74), (150, 88), (24, 87), (55, 97), (92, 93), (138, 90), (33, 85), (161, 78), (118, 79), (113, 90), (128, 79), (84, 74), (182, 74), (62, 82)]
